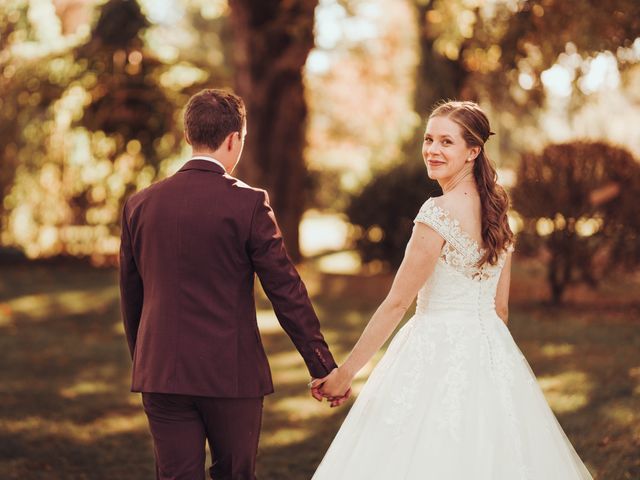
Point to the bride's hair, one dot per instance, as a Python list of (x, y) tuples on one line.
[(496, 233)]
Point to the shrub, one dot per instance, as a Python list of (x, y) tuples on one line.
[(385, 208), (579, 204)]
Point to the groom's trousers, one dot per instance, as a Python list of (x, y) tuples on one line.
[(181, 424)]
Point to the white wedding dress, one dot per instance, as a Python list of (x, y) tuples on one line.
[(453, 398)]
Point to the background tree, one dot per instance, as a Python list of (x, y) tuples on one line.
[(272, 41), (125, 100), (89, 118), (359, 90), (578, 202), (479, 49), (497, 53), (104, 116), (384, 211), (28, 88)]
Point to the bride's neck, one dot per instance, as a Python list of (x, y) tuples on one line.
[(463, 178)]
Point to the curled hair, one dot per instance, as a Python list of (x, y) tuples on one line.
[(496, 233)]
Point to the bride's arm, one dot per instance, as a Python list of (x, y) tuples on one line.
[(502, 292), (419, 261)]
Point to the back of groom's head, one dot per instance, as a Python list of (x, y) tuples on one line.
[(210, 116)]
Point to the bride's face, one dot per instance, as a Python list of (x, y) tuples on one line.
[(444, 149)]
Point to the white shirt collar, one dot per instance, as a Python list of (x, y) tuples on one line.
[(209, 159)]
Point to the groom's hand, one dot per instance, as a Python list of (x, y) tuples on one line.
[(335, 387), (315, 385)]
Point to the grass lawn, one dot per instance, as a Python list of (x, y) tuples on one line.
[(66, 411)]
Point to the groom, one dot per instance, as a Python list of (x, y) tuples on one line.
[(191, 246)]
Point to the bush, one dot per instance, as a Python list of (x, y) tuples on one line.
[(579, 204), (385, 208)]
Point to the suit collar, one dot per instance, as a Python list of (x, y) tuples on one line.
[(204, 165)]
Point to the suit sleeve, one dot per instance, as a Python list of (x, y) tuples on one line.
[(286, 291), (131, 291)]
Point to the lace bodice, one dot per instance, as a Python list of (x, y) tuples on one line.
[(457, 280), (460, 296)]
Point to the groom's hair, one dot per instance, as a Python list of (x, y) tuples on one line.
[(211, 115)]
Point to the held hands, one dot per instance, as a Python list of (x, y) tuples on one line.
[(335, 387)]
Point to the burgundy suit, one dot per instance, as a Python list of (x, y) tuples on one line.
[(191, 246)]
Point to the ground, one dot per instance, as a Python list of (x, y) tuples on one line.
[(66, 411)]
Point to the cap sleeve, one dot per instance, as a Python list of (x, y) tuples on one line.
[(432, 215)]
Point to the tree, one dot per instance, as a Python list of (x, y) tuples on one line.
[(384, 211), (272, 41), (477, 49), (89, 119), (126, 100), (579, 205), (496, 53), (27, 91)]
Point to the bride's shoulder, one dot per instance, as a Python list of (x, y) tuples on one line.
[(429, 209), (465, 205), (432, 202), (445, 204), (434, 214)]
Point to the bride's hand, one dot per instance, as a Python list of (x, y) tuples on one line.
[(336, 385)]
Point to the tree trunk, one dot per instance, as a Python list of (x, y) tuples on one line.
[(272, 42), (554, 275), (438, 78), (561, 265)]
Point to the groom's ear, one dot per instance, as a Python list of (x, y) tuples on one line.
[(186, 137), (230, 140)]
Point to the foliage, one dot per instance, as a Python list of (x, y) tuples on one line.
[(579, 203), (475, 48), (508, 54), (28, 88), (125, 98), (384, 211), (87, 119), (89, 147)]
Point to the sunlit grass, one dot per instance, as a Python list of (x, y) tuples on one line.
[(285, 437), (622, 415), (65, 404), (566, 392), (85, 388), (39, 307), (78, 432), (555, 350)]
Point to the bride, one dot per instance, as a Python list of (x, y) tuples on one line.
[(453, 398)]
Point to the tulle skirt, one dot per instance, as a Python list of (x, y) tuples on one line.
[(453, 398)]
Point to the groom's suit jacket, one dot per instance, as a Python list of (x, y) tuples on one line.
[(191, 246)]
